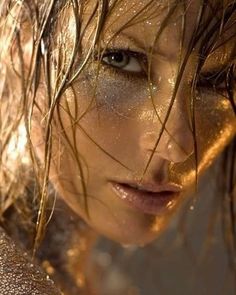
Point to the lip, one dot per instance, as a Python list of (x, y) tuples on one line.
[(148, 198)]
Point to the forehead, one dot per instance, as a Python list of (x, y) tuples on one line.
[(140, 21), (146, 14), (138, 10)]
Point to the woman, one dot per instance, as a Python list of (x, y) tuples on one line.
[(114, 109)]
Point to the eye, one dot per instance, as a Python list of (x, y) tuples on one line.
[(128, 61), (216, 80)]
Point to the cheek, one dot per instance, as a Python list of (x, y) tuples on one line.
[(215, 125), (116, 96), (106, 111)]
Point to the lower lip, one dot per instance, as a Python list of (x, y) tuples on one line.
[(147, 202)]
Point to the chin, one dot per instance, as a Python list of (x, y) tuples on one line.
[(129, 227), (135, 237), (140, 241)]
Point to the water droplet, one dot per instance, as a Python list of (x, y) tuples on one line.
[(171, 81), (148, 22), (154, 88), (131, 247)]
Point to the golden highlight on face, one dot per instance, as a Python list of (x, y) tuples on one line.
[(113, 113)]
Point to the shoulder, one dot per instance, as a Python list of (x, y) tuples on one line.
[(18, 275)]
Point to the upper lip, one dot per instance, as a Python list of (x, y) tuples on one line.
[(154, 187)]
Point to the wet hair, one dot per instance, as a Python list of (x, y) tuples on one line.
[(29, 50)]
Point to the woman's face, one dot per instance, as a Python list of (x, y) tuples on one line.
[(112, 115)]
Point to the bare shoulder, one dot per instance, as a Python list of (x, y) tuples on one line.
[(18, 275)]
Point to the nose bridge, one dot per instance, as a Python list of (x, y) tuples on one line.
[(176, 141)]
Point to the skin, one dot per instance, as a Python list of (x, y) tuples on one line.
[(122, 120)]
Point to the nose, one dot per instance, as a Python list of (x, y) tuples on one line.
[(175, 144)]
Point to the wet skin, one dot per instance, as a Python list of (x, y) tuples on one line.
[(114, 129)]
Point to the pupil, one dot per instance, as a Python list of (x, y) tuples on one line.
[(117, 57)]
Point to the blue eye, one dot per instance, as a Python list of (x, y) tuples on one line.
[(124, 60)]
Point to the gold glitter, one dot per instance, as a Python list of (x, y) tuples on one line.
[(170, 204), (80, 281), (48, 267), (158, 223), (72, 252)]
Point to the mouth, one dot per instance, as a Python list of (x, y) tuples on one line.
[(148, 198)]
